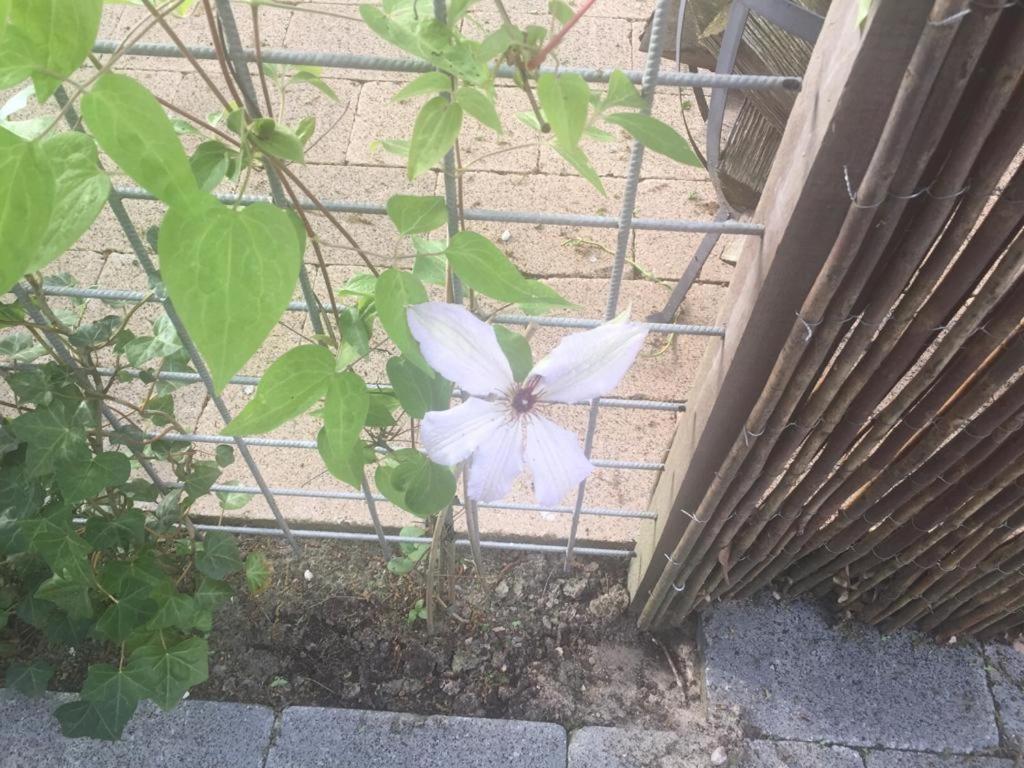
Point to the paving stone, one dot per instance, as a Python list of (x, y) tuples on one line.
[(599, 747), (796, 677), (338, 738), (893, 759), (798, 754), (1006, 673), (196, 734)]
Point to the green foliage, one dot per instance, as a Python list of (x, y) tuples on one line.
[(292, 384), (412, 214), (417, 391), (413, 482), (480, 106), (394, 292), (27, 191), (433, 134), (517, 349), (428, 83), (656, 136), (231, 275), (565, 100), (345, 411), (29, 679)]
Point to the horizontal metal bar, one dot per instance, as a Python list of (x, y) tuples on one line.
[(729, 227), (313, 493), (274, 442), (300, 306), (513, 546), (387, 64)]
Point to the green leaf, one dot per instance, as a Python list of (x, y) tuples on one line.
[(428, 82), (95, 334), (430, 265), (177, 610), (82, 480), (482, 266), (565, 100), (113, 697), (395, 292), (27, 195), (232, 500), (203, 475), (29, 679), (166, 671), (516, 349), (210, 593), (231, 275), (355, 338), (125, 529), (219, 555), (305, 129), (309, 77), (134, 607), (92, 719), (381, 410), (863, 11), (72, 596), (225, 455), (412, 214), (622, 93), (131, 126), (578, 160), (55, 435), (271, 139), (411, 481), (290, 386), (561, 10), (415, 390), (81, 192), (479, 106), (53, 539), (345, 411), (363, 284), (53, 36), (433, 134), (656, 136), (257, 572), (210, 163)]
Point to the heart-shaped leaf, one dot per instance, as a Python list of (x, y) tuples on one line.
[(27, 190), (80, 480), (231, 275)]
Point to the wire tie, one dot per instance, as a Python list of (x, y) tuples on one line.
[(679, 589), (669, 558), (950, 19), (912, 195), (852, 194), (966, 186), (808, 327), (747, 434)]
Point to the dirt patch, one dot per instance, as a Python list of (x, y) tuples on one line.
[(524, 641)]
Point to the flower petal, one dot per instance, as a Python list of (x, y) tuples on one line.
[(450, 436), (460, 347), (555, 459), (497, 463), (589, 364)]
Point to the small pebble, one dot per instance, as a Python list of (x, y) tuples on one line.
[(719, 756), (506, 236), (248, 389), (308, 575)]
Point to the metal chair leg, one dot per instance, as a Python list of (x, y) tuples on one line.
[(707, 245)]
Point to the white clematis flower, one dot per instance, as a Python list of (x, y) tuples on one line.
[(499, 427)]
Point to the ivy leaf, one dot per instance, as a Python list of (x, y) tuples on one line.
[(27, 191), (53, 539), (210, 163), (479, 106), (125, 529), (415, 390), (176, 610), (134, 607), (257, 572), (394, 292), (166, 671), (622, 93), (29, 679), (482, 266), (211, 593), (82, 480), (290, 386), (433, 134), (565, 100), (232, 500), (70, 595), (428, 82), (412, 214), (202, 477), (231, 275), (131, 126), (656, 136), (94, 719), (95, 334), (345, 411), (106, 685), (55, 435), (219, 555), (225, 455), (516, 349), (54, 36), (81, 192)]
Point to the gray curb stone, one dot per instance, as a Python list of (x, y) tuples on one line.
[(919, 760), (795, 754), (1006, 671), (795, 677), (196, 734), (312, 737), (601, 747)]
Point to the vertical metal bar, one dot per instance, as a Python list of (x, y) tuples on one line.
[(372, 506), (451, 184), (625, 232), (67, 359), (153, 275), (252, 105)]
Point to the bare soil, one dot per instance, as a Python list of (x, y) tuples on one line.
[(523, 641)]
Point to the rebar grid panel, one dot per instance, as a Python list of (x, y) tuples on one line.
[(625, 223)]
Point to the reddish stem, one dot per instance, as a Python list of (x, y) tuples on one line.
[(537, 60)]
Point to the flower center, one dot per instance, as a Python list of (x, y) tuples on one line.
[(525, 396)]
